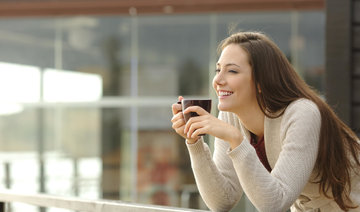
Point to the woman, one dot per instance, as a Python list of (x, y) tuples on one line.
[(275, 138)]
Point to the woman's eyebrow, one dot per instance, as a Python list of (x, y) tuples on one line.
[(228, 64)]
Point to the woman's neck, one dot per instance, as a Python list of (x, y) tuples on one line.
[(253, 120)]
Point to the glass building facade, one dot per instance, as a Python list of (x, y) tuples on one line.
[(85, 101)]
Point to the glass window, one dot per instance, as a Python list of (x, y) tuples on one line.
[(171, 50), (311, 48), (85, 101)]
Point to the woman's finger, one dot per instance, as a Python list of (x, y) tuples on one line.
[(192, 128), (178, 123), (197, 109), (176, 117), (190, 122), (180, 131), (204, 119), (176, 108), (199, 131), (197, 127)]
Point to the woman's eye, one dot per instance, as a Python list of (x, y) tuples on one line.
[(233, 71), (217, 70)]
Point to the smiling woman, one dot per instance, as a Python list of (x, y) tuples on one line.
[(276, 140), (233, 80)]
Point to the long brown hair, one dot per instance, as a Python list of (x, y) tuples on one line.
[(280, 85)]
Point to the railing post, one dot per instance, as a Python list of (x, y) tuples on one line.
[(2, 206), (7, 185)]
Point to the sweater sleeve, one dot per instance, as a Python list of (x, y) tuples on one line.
[(216, 179), (278, 190)]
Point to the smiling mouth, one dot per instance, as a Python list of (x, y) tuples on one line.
[(225, 93)]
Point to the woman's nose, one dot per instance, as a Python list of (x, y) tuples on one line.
[(219, 79)]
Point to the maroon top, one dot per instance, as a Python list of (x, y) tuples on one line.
[(260, 151)]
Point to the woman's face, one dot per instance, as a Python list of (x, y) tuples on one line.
[(233, 81)]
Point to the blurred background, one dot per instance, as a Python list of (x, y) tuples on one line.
[(86, 89)]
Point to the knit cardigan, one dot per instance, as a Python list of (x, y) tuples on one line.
[(291, 144)]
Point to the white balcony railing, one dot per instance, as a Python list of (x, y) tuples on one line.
[(78, 204)]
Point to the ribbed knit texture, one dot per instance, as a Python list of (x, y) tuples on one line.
[(291, 143), (259, 147)]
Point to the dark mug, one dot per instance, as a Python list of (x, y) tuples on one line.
[(204, 103)]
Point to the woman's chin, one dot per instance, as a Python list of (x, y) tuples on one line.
[(223, 107)]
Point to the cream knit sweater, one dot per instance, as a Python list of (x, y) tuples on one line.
[(291, 143)]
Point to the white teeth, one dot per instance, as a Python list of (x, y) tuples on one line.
[(225, 93)]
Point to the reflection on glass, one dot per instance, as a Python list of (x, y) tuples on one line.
[(19, 83), (68, 86)]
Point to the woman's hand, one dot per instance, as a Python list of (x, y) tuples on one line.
[(178, 121), (206, 123)]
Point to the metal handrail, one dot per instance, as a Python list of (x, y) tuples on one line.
[(79, 204)]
